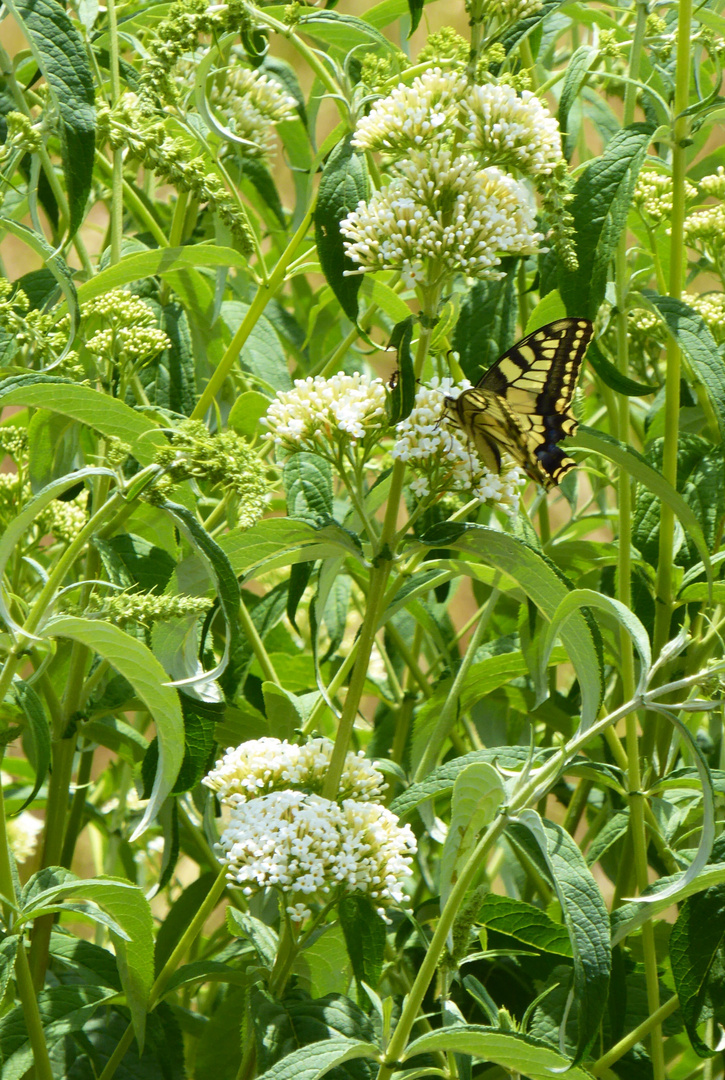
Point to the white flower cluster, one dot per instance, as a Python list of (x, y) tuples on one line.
[(712, 308), (261, 766), (412, 116), (444, 459), (514, 131), (446, 206), (487, 215), (282, 833), (653, 194), (512, 10), (318, 412), (311, 848), (247, 101), (714, 184)]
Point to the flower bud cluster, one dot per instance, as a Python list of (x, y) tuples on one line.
[(21, 137), (714, 184), (13, 441), (148, 608), (443, 459), (36, 336), (447, 207), (130, 125), (224, 459), (252, 102), (261, 766), (130, 334), (61, 520), (712, 308), (653, 195), (283, 834), (321, 414)]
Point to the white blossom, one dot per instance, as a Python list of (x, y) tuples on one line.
[(442, 210), (412, 116), (23, 832), (314, 850), (261, 766), (443, 459), (319, 411), (513, 131)]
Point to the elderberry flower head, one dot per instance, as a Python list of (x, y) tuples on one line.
[(653, 195), (512, 10), (706, 229), (315, 851), (319, 413), (261, 766), (441, 457), (445, 212), (23, 832)]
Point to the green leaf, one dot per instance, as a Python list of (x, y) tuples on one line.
[(129, 908), (8, 952), (402, 398), (486, 326), (282, 541), (324, 966), (697, 961), (282, 1026), (549, 308), (612, 831), (225, 581), (342, 32), (514, 1052), (633, 463), (63, 1010), (694, 337), (602, 197), (132, 659), (58, 268), (584, 913), (37, 741), (316, 1059), (524, 922), (263, 938), (81, 403), (343, 184), (415, 7), (477, 794), (544, 586), (160, 262), (577, 70), (660, 896), (60, 54), (263, 354), (364, 932), (131, 560), (308, 486), (441, 780), (246, 412), (514, 35), (612, 377), (587, 598)]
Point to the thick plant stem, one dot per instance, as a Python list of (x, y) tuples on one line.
[(31, 1015), (663, 607), (264, 294)]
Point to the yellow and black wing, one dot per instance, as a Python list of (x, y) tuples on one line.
[(521, 405)]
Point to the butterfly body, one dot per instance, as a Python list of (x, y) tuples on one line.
[(522, 403)]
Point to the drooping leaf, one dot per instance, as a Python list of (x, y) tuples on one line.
[(308, 487), (402, 397), (585, 915), (364, 932), (37, 741), (486, 326), (524, 922), (344, 183), (132, 659), (477, 794), (512, 1051)]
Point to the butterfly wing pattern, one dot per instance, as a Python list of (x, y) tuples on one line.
[(521, 405)]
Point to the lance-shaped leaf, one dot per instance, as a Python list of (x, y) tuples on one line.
[(60, 54), (477, 794), (344, 183), (132, 659), (314, 1060), (514, 1052), (558, 858), (402, 397), (602, 197), (38, 735)]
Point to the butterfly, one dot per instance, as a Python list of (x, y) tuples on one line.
[(521, 405)]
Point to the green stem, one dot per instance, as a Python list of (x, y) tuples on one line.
[(78, 803), (252, 635), (117, 181), (664, 587), (429, 965), (134, 204), (647, 1027), (264, 294), (451, 703), (187, 939), (31, 1016)]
